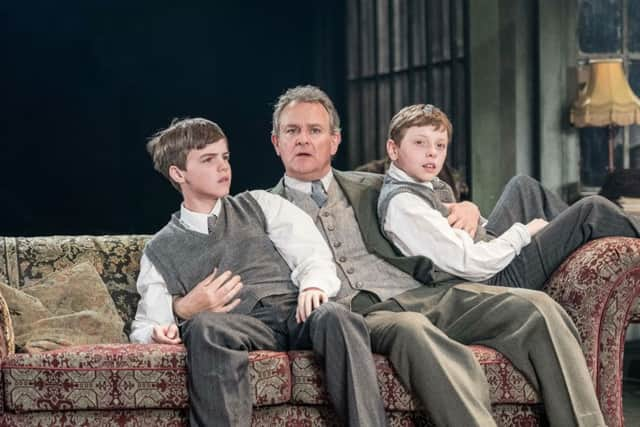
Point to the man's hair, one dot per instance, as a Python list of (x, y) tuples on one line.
[(418, 115), (305, 94), (172, 145)]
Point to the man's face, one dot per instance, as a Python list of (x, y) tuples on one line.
[(421, 152), (305, 141), (207, 174)]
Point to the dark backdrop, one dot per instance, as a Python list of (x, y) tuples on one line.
[(85, 83)]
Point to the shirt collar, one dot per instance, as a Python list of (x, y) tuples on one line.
[(397, 173), (305, 186), (198, 221)]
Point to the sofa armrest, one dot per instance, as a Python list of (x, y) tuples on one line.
[(7, 343), (598, 285)]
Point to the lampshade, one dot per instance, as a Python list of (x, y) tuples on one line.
[(607, 99)]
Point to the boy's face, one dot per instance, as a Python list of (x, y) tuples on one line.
[(207, 174), (305, 141), (421, 152)]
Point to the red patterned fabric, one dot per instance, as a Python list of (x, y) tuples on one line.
[(599, 285), (123, 376), (507, 384), (275, 416)]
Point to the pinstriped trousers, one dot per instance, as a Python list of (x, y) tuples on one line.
[(217, 360), (569, 228)]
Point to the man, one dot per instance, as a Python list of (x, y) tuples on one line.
[(424, 330)]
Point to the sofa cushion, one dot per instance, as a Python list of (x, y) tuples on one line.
[(68, 307), (507, 385), (121, 376)]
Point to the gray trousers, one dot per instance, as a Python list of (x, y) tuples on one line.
[(426, 340), (217, 360), (569, 228)]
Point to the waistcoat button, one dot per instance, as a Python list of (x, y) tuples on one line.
[(331, 228), (358, 285), (342, 259), (350, 270), (325, 214), (337, 244)]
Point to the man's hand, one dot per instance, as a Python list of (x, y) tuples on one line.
[(167, 334), (212, 294), (309, 300), (536, 225), (464, 216)]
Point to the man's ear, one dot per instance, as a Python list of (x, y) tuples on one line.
[(335, 142), (392, 150), (276, 143), (176, 174)]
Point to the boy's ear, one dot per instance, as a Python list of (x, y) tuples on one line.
[(176, 174), (392, 149)]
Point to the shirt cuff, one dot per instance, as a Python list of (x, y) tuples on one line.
[(518, 236)]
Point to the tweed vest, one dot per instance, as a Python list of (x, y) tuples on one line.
[(357, 268), (239, 243), (436, 197)]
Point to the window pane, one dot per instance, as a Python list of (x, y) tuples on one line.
[(599, 26), (419, 33), (634, 131), (400, 35), (383, 36), (367, 38), (353, 44), (354, 143), (369, 140), (634, 25)]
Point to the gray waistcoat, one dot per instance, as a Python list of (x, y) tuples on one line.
[(357, 268), (239, 243), (436, 198)]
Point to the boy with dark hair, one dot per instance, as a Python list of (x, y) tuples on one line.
[(282, 301), (526, 237)]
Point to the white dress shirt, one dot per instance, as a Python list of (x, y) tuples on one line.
[(418, 229), (305, 186), (294, 235)]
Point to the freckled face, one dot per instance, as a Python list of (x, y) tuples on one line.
[(305, 141), (421, 152)]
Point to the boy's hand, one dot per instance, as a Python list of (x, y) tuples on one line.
[(309, 300), (212, 294), (464, 216), (167, 334), (536, 225)]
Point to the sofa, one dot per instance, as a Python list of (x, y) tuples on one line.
[(139, 385)]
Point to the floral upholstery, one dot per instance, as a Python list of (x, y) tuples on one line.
[(136, 385)]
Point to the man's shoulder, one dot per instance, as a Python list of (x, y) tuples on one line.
[(360, 177)]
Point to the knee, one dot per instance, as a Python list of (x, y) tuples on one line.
[(334, 314), (523, 182), (206, 326), (596, 202), (410, 327)]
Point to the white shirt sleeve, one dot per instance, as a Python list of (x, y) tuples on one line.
[(155, 305), (418, 229), (300, 243)]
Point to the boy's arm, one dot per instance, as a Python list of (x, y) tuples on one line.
[(154, 314), (300, 243), (418, 229), (464, 216)]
